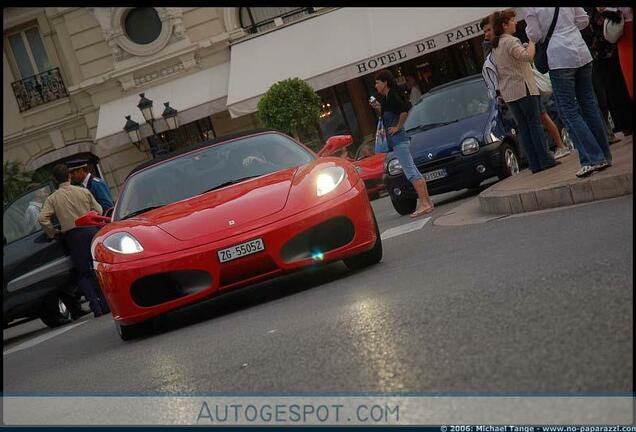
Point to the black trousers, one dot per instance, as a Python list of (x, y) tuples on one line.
[(611, 93), (78, 243)]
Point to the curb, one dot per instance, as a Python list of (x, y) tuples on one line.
[(559, 187), (592, 189)]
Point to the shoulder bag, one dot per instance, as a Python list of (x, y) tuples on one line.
[(541, 48), (381, 143)]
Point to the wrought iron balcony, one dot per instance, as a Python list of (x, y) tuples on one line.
[(39, 89), (259, 19)]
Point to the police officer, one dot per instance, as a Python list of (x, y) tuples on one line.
[(80, 176), (68, 203)]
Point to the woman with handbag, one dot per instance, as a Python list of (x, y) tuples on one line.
[(393, 112), (519, 90), (570, 64)]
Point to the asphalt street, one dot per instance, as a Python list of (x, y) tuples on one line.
[(537, 303)]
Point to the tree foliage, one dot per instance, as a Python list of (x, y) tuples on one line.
[(16, 180), (289, 106)]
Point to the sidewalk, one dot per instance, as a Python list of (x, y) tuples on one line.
[(559, 186)]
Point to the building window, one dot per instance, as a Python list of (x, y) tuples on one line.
[(29, 53), (259, 19), (142, 25), (40, 83)]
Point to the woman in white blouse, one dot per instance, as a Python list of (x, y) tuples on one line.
[(570, 63)]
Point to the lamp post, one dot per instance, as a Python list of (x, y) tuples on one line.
[(157, 144)]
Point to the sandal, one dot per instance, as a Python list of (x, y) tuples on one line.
[(422, 212)]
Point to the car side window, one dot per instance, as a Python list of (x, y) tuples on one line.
[(20, 218)]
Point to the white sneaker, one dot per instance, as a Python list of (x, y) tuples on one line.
[(601, 166), (561, 152), (585, 171)]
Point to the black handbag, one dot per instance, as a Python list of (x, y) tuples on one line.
[(541, 48)]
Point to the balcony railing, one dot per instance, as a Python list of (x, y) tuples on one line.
[(256, 20), (39, 89)]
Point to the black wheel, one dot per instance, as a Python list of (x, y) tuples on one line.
[(369, 257), (509, 161), (404, 206), (128, 332), (54, 312)]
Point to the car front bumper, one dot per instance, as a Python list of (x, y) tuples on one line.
[(198, 273), (462, 172)]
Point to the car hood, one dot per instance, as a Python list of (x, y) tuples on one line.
[(225, 209), (446, 140), (371, 166)]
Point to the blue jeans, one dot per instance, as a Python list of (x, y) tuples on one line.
[(403, 153), (574, 92), (527, 115)]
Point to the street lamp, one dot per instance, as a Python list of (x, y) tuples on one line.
[(132, 129), (145, 106), (170, 115), (157, 145)]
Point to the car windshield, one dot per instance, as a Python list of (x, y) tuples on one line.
[(449, 105), (207, 169), (20, 218)]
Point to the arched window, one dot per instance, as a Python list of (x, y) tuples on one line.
[(258, 19)]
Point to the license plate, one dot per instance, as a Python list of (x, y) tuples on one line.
[(434, 175), (241, 250)]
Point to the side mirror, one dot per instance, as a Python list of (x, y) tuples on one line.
[(92, 219), (334, 144)]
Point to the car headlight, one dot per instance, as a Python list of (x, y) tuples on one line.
[(394, 167), (329, 179), (123, 243), (470, 146)]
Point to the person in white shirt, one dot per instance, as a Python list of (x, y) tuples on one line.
[(415, 93), (33, 210), (570, 64)]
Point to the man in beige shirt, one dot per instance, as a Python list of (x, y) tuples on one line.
[(67, 204)]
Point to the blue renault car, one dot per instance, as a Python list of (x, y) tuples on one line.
[(459, 137)]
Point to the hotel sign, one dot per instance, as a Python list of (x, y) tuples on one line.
[(424, 46)]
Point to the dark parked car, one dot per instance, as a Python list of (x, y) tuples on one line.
[(34, 268), (459, 137)]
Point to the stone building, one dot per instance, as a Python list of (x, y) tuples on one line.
[(71, 74)]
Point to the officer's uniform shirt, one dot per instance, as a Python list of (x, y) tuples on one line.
[(67, 203), (99, 190)]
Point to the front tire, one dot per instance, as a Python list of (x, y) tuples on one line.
[(404, 206), (509, 164), (369, 257), (54, 312)]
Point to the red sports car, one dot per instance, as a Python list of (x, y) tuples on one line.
[(231, 212), (369, 165)]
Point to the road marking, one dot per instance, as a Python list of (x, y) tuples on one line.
[(403, 229), (38, 340)]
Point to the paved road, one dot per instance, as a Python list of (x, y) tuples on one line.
[(542, 302)]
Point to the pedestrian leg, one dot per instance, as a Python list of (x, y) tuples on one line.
[(563, 87), (590, 110), (524, 136)]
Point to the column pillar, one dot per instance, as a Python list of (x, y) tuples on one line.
[(360, 103)]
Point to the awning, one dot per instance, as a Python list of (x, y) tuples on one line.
[(342, 45), (195, 96)]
